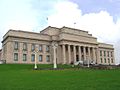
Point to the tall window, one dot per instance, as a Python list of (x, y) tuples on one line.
[(33, 47), (108, 53), (108, 60), (24, 57), (100, 53), (25, 46), (112, 60), (47, 48), (111, 54), (33, 57), (104, 53), (105, 60), (15, 56), (48, 58), (40, 48), (16, 46), (40, 58), (101, 60)]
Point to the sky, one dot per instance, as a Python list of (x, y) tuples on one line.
[(100, 17)]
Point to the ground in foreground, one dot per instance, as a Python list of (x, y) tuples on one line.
[(23, 77)]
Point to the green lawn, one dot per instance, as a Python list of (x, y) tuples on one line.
[(23, 77)]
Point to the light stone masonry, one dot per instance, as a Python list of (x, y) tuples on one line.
[(72, 45)]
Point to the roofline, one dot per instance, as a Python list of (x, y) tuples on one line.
[(49, 27), (24, 32), (64, 27), (74, 29), (105, 43)]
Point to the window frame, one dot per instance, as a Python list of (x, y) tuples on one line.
[(112, 60), (111, 54), (108, 60), (15, 56), (104, 53), (101, 60), (105, 60), (16, 45), (32, 47), (40, 48), (47, 48), (32, 55), (41, 58), (47, 58), (25, 46), (108, 53), (100, 52), (24, 57)]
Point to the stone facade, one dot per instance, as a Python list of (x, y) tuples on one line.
[(63, 45)]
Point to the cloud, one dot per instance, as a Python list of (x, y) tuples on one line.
[(16, 14), (100, 24), (65, 14)]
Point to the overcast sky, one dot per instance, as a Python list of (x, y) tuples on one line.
[(100, 17)]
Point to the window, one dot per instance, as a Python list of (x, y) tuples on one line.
[(111, 54), (16, 46), (40, 58), (108, 53), (105, 60), (24, 57), (40, 48), (100, 53), (47, 48), (48, 58), (101, 60), (33, 47), (33, 57), (104, 53), (25, 46), (112, 60), (15, 56), (108, 60)]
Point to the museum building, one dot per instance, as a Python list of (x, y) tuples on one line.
[(65, 45)]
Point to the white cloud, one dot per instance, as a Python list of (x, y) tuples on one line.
[(16, 14), (66, 13), (100, 24)]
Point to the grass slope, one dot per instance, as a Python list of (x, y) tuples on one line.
[(22, 77)]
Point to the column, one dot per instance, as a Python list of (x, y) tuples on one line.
[(54, 57), (88, 56), (74, 52), (64, 54), (79, 51), (69, 54), (94, 58), (84, 53), (113, 57)]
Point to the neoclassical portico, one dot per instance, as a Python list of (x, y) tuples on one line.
[(73, 53)]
